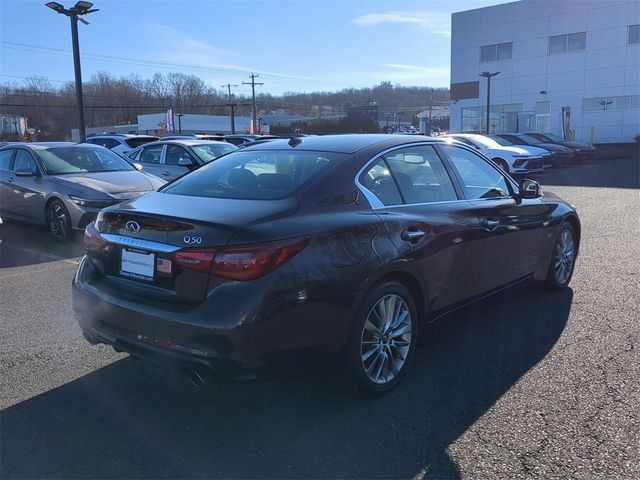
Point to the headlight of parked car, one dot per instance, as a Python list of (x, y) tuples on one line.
[(90, 203)]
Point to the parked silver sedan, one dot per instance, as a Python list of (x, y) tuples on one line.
[(64, 185), (170, 159)]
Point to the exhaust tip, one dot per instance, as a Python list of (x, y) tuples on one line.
[(195, 378), (89, 338)]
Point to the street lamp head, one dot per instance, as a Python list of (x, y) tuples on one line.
[(55, 6), (488, 74), (83, 6)]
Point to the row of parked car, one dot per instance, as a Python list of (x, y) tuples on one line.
[(64, 185), (519, 153)]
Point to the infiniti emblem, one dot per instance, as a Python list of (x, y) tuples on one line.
[(132, 226)]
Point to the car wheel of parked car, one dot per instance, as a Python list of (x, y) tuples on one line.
[(563, 258), (383, 338), (58, 221), (504, 166)]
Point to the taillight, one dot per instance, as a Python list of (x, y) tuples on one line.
[(198, 260), (92, 239), (246, 262)]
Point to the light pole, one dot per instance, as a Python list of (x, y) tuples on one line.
[(179, 115), (75, 13), (488, 76)]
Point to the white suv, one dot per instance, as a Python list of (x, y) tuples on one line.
[(512, 159), (122, 143)]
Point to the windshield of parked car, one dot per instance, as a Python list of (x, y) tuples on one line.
[(65, 160), (529, 140), (209, 151), (255, 175), (486, 142), (552, 137)]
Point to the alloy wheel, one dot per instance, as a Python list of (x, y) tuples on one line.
[(386, 339), (564, 256), (58, 221)]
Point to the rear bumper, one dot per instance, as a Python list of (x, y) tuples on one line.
[(232, 333)]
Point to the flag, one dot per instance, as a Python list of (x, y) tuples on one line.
[(169, 121), (163, 265)]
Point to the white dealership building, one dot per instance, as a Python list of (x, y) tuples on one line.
[(569, 67)]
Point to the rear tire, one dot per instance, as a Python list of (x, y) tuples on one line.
[(59, 221), (563, 258), (383, 338)]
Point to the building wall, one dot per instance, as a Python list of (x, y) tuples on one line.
[(607, 70)]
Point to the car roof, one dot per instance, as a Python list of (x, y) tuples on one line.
[(124, 135), (189, 142), (348, 143)]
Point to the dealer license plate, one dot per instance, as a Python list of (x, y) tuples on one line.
[(137, 265)]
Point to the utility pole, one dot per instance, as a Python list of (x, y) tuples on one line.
[(253, 84), (232, 105), (430, 112)]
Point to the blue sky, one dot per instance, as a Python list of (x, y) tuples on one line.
[(297, 46)]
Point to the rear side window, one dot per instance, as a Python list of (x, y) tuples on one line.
[(255, 175), (151, 154), (5, 159)]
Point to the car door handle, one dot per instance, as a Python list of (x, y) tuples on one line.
[(490, 223), (413, 236), (166, 173)]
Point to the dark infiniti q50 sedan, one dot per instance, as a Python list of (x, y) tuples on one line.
[(323, 247)]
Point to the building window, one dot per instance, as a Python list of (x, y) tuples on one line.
[(572, 42), (634, 34), (608, 104), (500, 51)]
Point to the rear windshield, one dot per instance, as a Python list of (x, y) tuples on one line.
[(254, 175), (136, 142), (64, 160)]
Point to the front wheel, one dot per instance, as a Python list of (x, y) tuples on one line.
[(504, 166), (58, 221), (383, 338), (563, 258)]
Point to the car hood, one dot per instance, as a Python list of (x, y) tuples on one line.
[(523, 150), (115, 184), (554, 147)]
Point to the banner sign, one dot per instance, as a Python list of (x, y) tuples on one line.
[(169, 121), (566, 123)]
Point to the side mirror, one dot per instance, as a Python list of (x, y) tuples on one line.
[(25, 173), (137, 166), (530, 189), (185, 162)]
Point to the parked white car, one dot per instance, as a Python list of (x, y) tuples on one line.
[(121, 143), (512, 159)]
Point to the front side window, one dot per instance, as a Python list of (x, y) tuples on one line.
[(81, 159), (151, 154), (420, 175), (480, 180), (255, 175), (175, 153), (24, 162)]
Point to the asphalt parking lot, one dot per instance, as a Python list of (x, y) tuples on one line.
[(525, 385)]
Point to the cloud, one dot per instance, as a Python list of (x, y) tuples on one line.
[(437, 23), (403, 73)]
